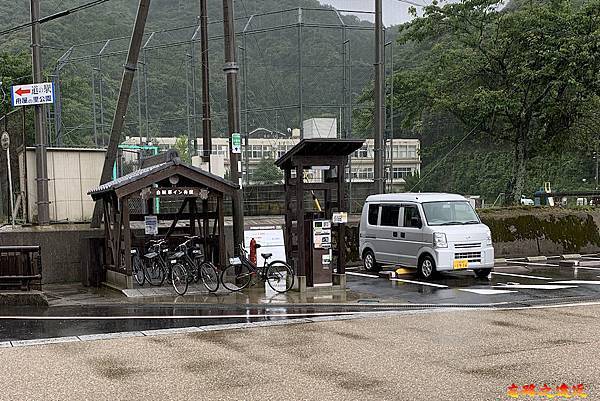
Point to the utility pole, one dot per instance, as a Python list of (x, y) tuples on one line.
[(231, 69), (379, 98), (206, 119), (40, 131), (126, 83)]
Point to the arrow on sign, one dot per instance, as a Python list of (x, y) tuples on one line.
[(22, 91)]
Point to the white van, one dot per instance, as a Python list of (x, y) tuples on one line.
[(429, 231)]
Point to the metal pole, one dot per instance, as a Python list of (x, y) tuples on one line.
[(392, 119), (379, 99), (300, 78), (233, 116), (140, 125), (206, 117), (40, 132), (26, 189), (246, 136), (94, 106), (194, 133), (145, 74), (11, 201), (123, 101)]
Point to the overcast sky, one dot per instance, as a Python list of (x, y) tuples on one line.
[(394, 11)]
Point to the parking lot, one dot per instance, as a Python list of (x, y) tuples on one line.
[(530, 281)]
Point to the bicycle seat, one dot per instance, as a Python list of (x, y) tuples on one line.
[(266, 255)]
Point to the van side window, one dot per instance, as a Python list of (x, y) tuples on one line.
[(373, 213), (412, 218), (389, 215)]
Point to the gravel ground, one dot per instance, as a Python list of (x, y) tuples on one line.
[(442, 355)]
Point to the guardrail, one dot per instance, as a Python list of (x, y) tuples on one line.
[(20, 267)]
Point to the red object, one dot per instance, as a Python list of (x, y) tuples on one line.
[(253, 251), (21, 91)]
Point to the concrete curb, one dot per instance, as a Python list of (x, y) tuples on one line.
[(24, 298)]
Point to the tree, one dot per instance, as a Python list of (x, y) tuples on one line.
[(522, 76), (181, 146), (14, 69), (267, 173)]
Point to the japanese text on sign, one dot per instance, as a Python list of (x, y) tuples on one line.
[(32, 94)]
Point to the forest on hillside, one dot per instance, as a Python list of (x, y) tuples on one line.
[(462, 74)]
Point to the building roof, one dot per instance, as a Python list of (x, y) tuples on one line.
[(416, 197), (177, 166), (319, 147)]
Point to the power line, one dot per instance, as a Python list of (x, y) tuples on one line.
[(54, 16)]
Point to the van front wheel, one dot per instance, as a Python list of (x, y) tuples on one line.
[(482, 273), (426, 268), (369, 261)]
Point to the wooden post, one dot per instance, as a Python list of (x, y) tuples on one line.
[(208, 253), (126, 234), (301, 268), (221, 218), (289, 217), (193, 212), (342, 207)]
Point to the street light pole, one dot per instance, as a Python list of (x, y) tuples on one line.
[(379, 98), (231, 69), (40, 132)]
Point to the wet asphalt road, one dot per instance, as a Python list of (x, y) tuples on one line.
[(517, 284)]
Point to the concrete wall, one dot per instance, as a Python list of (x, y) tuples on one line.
[(61, 248), (516, 232), (529, 231)]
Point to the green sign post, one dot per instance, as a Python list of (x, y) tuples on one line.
[(236, 143)]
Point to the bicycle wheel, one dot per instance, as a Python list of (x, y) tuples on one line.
[(179, 278), (236, 277), (137, 268), (210, 277), (280, 276), (155, 272)]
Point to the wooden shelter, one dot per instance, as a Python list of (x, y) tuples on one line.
[(171, 191), (331, 157)]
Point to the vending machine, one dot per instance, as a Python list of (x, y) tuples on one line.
[(320, 272)]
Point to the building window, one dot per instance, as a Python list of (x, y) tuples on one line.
[(362, 152), (402, 172), (412, 151)]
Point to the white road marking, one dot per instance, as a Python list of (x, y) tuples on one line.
[(362, 275), (522, 275), (549, 306), (351, 268), (536, 286), (585, 267), (484, 291), (577, 282), (419, 283), (190, 317)]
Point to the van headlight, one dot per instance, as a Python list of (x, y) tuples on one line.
[(488, 240), (439, 240)]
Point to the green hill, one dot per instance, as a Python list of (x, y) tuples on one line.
[(271, 63)]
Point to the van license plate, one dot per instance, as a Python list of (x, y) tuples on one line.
[(461, 263)]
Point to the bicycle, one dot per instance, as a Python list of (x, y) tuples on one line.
[(197, 270), (159, 269), (137, 268), (241, 270)]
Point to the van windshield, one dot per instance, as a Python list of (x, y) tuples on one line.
[(449, 213)]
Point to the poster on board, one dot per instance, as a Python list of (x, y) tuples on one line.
[(270, 239)]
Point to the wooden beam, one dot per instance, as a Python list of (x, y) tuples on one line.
[(301, 260), (177, 216)]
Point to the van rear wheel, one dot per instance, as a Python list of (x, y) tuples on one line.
[(426, 267), (369, 261)]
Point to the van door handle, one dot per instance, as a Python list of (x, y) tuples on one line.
[(395, 234), (402, 235)]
